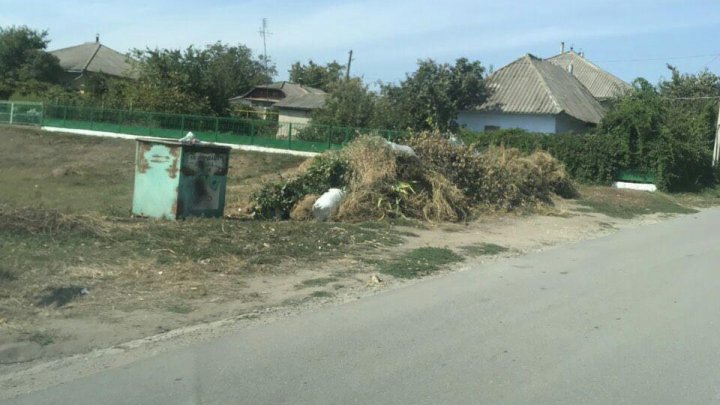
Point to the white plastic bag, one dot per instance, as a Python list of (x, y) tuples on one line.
[(401, 149), (327, 203)]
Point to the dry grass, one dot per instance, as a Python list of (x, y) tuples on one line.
[(49, 222), (371, 162), (499, 178), (446, 202), (384, 184), (303, 209), (553, 174)]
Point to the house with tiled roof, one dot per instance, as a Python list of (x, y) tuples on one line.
[(294, 103), (564, 93), (91, 58), (535, 95)]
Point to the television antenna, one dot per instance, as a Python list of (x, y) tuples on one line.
[(264, 33)]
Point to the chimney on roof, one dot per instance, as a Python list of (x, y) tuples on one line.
[(97, 38), (562, 47), (570, 68)]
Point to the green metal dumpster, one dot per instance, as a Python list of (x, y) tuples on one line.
[(177, 180)]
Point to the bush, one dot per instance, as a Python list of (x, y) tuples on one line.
[(589, 158), (276, 200), (498, 177)]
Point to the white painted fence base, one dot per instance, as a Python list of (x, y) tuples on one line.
[(635, 186), (104, 134)]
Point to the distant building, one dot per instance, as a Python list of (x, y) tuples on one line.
[(295, 103), (82, 61), (535, 95), (267, 95), (298, 110)]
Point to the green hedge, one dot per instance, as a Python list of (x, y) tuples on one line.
[(589, 158), (676, 161)]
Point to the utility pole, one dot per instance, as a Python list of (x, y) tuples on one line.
[(716, 148), (347, 72), (264, 33)]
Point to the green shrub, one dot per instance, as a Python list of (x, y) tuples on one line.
[(589, 158), (276, 199), (498, 177)]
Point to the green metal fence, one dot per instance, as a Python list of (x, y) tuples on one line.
[(233, 130), (20, 113)]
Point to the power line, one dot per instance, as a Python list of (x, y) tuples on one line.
[(711, 60), (707, 55)]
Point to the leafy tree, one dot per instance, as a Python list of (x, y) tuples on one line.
[(350, 104), (431, 97), (668, 130), (636, 120), (311, 74), (703, 84), (23, 59), (196, 80)]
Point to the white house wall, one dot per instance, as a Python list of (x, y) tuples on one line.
[(294, 116), (297, 118), (477, 121)]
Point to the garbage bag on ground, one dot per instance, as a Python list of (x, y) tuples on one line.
[(327, 204)]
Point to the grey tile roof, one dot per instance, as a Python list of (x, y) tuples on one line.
[(531, 85), (292, 89), (310, 101), (94, 57), (601, 84), (287, 88)]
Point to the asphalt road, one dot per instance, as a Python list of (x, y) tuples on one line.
[(631, 318)]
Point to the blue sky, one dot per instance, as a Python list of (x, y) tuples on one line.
[(388, 37)]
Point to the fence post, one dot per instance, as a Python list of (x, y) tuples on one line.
[(216, 128), (252, 133), (120, 121), (65, 116), (289, 135), (328, 136), (91, 117), (12, 111), (182, 125)]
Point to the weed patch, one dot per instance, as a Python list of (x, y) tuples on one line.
[(180, 308), (316, 282), (41, 338), (419, 262), (321, 294), (483, 249), (61, 296), (7, 275)]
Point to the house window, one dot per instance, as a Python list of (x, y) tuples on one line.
[(491, 128)]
